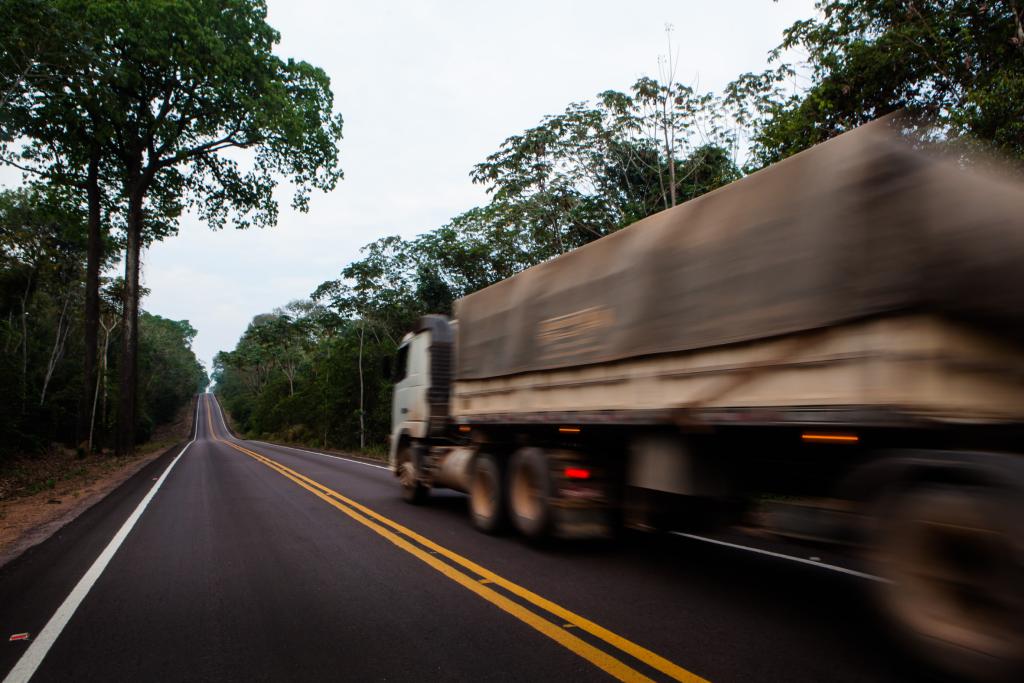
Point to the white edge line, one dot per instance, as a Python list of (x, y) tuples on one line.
[(33, 656), (813, 563)]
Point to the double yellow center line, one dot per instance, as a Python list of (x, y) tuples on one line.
[(480, 580)]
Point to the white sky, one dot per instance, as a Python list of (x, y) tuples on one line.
[(427, 90)]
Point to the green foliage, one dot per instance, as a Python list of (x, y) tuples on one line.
[(314, 371), (169, 372), (601, 165), (956, 66), (160, 88), (318, 402), (187, 79), (42, 265), (136, 104)]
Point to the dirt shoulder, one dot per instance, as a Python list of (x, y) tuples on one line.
[(40, 495)]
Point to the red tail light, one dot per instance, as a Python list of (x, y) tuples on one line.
[(577, 473)]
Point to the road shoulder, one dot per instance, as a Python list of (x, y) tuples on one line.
[(27, 521)]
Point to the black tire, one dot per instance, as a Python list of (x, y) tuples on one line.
[(413, 490), (952, 557), (530, 490), (487, 499)]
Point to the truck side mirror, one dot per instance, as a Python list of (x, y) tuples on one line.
[(386, 367)]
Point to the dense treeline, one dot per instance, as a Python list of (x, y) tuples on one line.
[(42, 288), (122, 115), (313, 371)]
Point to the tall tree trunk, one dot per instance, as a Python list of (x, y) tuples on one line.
[(92, 302), (24, 342), (101, 380), (130, 336), (670, 153), (362, 412), (326, 384), (63, 328), (24, 358), (104, 386)]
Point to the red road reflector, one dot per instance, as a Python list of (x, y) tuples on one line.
[(577, 473), (18, 636)]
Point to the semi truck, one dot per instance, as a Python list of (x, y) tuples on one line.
[(832, 347)]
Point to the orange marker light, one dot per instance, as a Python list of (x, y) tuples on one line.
[(569, 430), (577, 473), (463, 428), (830, 438)]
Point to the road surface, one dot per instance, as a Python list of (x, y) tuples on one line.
[(240, 560)]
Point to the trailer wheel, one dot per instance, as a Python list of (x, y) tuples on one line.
[(530, 492), (413, 490), (952, 557), (487, 494)]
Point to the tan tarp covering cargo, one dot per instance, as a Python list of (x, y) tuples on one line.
[(859, 226)]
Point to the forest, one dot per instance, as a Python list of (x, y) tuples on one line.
[(120, 117), (42, 290), (314, 371)]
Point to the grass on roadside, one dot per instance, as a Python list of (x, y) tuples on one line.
[(59, 467), (28, 475), (301, 436)]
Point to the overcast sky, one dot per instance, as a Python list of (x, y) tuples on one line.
[(428, 89)]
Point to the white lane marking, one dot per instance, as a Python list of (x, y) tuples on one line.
[(821, 565), (220, 414), (35, 653)]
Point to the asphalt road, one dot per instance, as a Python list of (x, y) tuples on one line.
[(248, 561)]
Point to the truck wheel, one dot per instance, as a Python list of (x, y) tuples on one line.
[(413, 490), (530, 491), (952, 557), (487, 494)]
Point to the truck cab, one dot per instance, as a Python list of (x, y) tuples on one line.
[(409, 408), (422, 380)]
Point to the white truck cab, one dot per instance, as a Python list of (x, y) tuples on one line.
[(410, 410), (422, 377)]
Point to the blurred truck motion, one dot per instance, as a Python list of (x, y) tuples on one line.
[(831, 348)]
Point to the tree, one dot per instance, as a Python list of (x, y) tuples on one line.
[(285, 335), (110, 315), (956, 66), (42, 277), (56, 128), (598, 167), (170, 372), (170, 86), (28, 46), (42, 235), (475, 249), (39, 64), (573, 178), (381, 298)]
